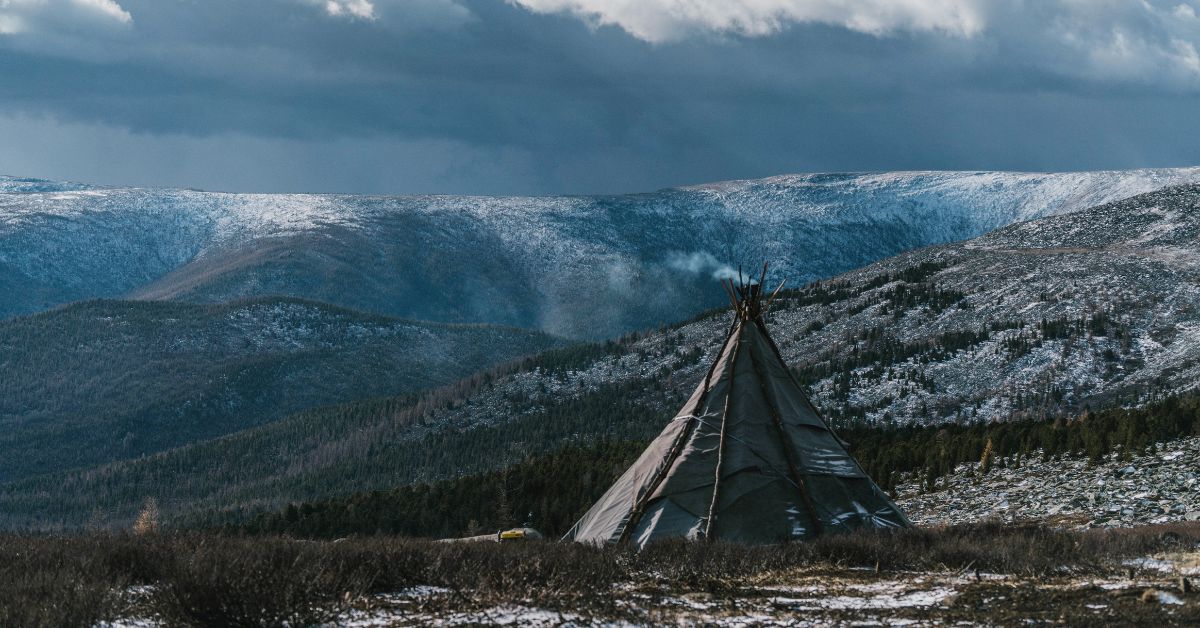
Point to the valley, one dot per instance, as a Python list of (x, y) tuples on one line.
[(1039, 320)]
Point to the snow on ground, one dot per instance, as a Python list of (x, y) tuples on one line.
[(1150, 591), (1154, 488), (823, 598)]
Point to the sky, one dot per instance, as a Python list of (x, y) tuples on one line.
[(586, 96)]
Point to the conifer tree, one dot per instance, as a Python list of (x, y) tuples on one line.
[(147, 521), (985, 461)]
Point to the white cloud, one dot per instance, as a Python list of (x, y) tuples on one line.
[(1134, 42), (396, 14), (669, 20), (362, 9), (1186, 56), (33, 16), (1129, 41), (107, 8), (10, 24)]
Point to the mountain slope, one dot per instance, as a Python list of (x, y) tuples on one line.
[(1096, 307), (557, 488), (574, 266), (105, 380)]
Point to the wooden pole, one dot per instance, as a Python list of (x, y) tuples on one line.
[(711, 525), (640, 500)]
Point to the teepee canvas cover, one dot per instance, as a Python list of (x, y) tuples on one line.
[(747, 459)]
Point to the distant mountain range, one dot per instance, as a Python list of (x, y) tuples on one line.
[(581, 267), (1091, 308)]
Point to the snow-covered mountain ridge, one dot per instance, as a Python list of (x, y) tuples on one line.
[(575, 266), (1093, 308)]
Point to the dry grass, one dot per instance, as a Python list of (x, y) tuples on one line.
[(53, 584), (204, 580)]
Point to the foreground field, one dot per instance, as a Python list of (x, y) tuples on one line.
[(980, 573), (827, 595)]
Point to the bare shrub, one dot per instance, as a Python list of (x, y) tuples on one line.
[(55, 583), (260, 582), (208, 580)]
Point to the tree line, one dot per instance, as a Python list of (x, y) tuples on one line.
[(551, 491)]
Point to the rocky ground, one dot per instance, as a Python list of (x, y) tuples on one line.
[(1155, 488)]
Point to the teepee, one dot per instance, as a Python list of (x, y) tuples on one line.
[(748, 459)]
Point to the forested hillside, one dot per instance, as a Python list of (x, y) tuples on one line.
[(1096, 308), (548, 491), (551, 491), (110, 380)]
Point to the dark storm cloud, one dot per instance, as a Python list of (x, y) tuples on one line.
[(542, 96)]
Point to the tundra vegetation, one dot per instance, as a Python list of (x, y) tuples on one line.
[(220, 580)]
